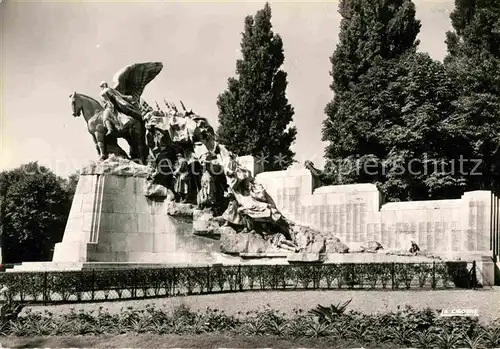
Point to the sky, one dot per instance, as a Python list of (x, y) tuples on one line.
[(50, 49)]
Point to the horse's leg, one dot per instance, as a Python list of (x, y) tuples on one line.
[(142, 149), (141, 143), (101, 145), (135, 142), (96, 145), (132, 145)]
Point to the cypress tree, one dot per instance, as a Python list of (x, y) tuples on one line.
[(254, 112)]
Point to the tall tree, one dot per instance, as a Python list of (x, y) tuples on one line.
[(35, 207), (473, 61), (383, 124), (254, 113)]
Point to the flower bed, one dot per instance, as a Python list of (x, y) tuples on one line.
[(404, 328)]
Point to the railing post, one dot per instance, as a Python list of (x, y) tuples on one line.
[(474, 275), (174, 280), (393, 271), (433, 274), (275, 277), (81, 286), (93, 285), (208, 279), (340, 279), (189, 284), (45, 291), (240, 279), (166, 281), (134, 283)]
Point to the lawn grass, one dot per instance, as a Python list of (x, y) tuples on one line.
[(369, 302), (177, 341)]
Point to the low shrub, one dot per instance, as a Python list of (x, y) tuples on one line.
[(90, 285), (405, 328)]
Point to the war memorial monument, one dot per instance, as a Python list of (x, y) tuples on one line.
[(181, 198)]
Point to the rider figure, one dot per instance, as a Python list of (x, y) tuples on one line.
[(109, 110)]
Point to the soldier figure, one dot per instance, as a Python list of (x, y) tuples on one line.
[(181, 175)]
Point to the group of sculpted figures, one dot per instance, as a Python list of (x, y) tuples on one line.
[(182, 150)]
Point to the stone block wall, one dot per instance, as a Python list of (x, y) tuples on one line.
[(250, 163), (112, 221), (356, 214)]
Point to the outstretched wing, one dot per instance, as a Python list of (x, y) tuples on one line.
[(132, 79)]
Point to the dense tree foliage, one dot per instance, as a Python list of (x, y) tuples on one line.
[(473, 62), (254, 113), (35, 204), (385, 122), (71, 183)]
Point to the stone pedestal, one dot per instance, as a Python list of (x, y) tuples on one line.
[(486, 271), (497, 270), (251, 164), (111, 221)]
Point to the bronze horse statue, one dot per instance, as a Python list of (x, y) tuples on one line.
[(121, 114), (132, 130)]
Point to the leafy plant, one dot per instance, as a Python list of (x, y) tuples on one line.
[(199, 326), (401, 335), (180, 327), (19, 328), (381, 335), (80, 328), (256, 328), (160, 327), (362, 334), (316, 329), (183, 314), (492, 336), (42, 327), (277, 328), (448, 340), (476, 341), (405, 328), (140, 325), (341, 329), (296, 326), (58, 328), (216, 320), (425, 339)]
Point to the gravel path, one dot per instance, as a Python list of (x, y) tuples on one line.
[(486, 301)]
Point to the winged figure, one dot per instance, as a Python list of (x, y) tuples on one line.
[(125, 95)]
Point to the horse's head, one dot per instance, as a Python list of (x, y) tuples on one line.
[(76, 104)]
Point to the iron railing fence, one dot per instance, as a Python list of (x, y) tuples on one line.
[(48, 287)]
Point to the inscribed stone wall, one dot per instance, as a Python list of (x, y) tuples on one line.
[(112, 221), (355, 213)]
